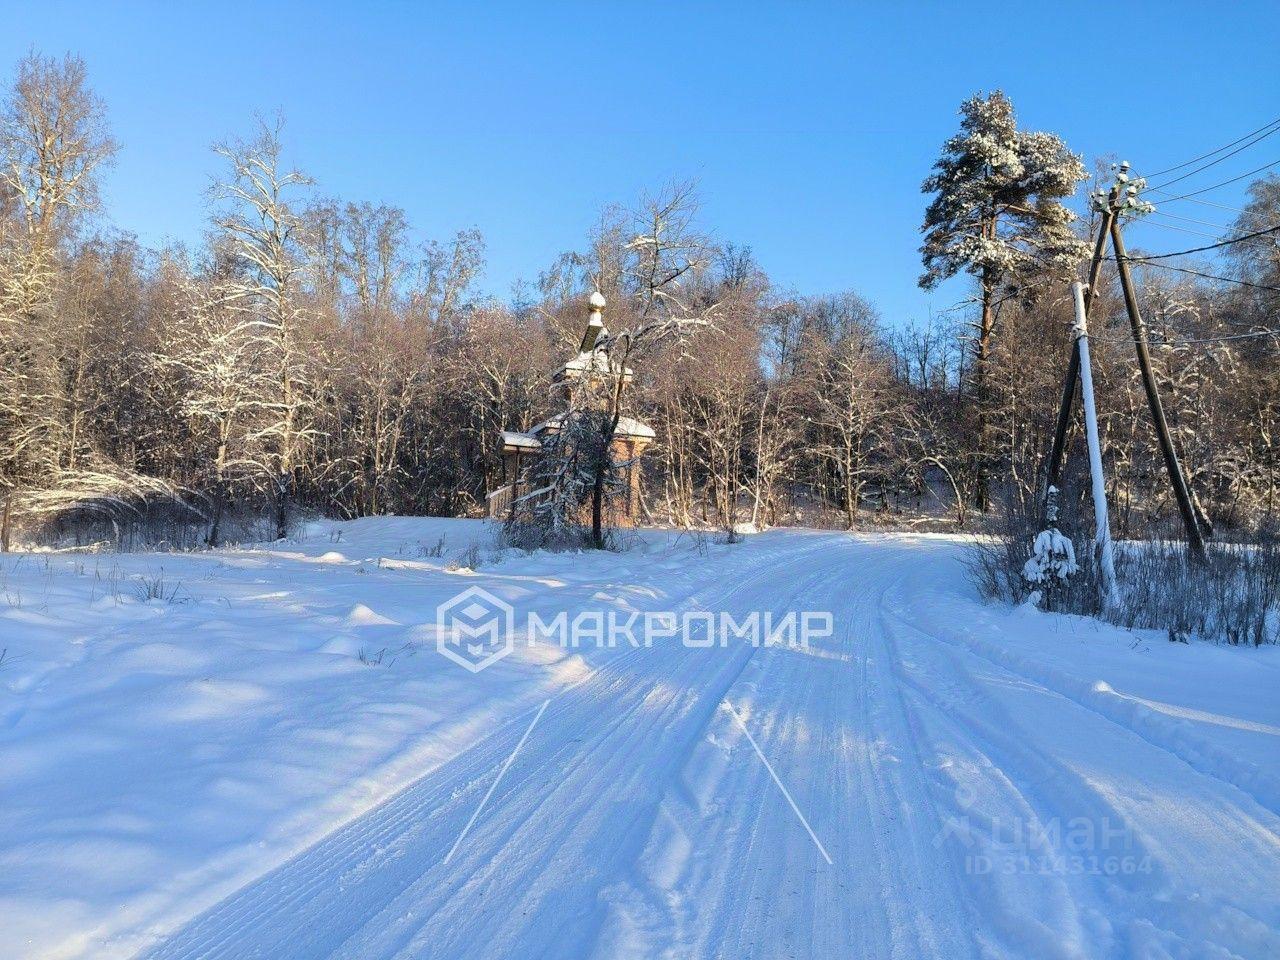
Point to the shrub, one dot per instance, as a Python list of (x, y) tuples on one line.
[(1233, 596)]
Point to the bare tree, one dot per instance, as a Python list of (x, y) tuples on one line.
[(263, 232), (855, 407), (213, 350), (664, 255), (53, 141)]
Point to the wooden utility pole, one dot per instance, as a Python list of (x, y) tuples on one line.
[(1122, 195), (1195, 540), (1102, 536), (1058, 453)]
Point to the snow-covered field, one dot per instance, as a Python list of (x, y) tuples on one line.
[(259, 753)]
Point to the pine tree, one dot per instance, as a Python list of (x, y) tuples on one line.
[(996, 215), (562, 482)]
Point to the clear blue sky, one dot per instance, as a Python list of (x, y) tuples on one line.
[(809, 126)]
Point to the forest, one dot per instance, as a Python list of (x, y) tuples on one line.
[(312, 356)]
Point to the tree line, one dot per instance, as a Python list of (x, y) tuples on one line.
[(312, 356)]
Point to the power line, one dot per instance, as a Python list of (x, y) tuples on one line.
[(1195, 193), (1218, 228), (1207, 276), (1174, 226), (1210, 203), (1255, 335), (1212, 246), (1271, 128), (1161, 173)]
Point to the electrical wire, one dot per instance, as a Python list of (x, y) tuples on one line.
[(1161, 173), (1210, 203), (1220, 230), (1208, 276), (1196, 193), (1271, 128), (1190, 230), (1211, 246), (1256, 335), (1226, 151)]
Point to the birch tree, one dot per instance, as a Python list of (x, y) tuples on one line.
[(53, 143), (855, 407), (262, 230), (374, 264), (212, 348)]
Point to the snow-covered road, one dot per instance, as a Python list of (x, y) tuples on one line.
[(938, 778)]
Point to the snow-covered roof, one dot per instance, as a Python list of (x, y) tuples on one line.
[(594, 361), (627, 427), (552, 423), (510, 438)]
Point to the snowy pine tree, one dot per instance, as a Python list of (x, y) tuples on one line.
[(1052, 562), (1053, 556), (996, 215), (555, 511)]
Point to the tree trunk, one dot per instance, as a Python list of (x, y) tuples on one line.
[(283, 484), (219, 486), (6, 523), (605, 463), (981, 389), (850, 492), (219, 505), (597, 509)]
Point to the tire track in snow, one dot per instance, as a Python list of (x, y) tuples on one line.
[(1175, 736), (401, 811), (728, 871), (700, 684), (1016, 785), (637, 821), (644, 916)]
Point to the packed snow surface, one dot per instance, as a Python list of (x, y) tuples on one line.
[(260, 753)]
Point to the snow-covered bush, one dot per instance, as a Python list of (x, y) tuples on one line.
[(1053, 559), (1232, 597)]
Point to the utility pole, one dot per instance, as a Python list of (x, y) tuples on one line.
[(1102, 534), (1195, 539), (1058, 453), (1123, 195)]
